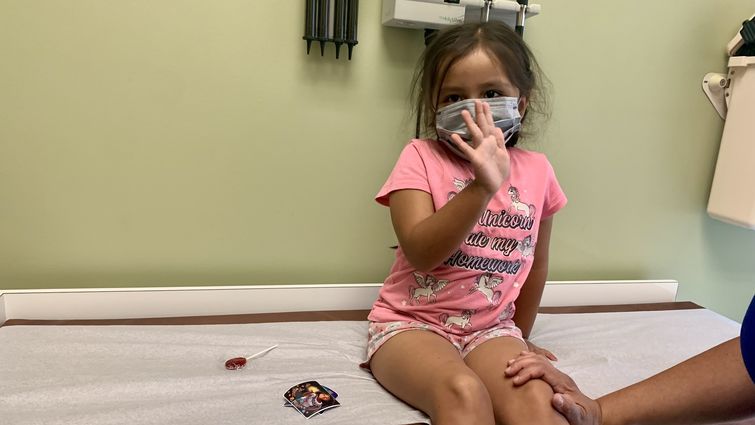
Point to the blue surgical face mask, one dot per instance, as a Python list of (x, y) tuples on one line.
[(448, 119)]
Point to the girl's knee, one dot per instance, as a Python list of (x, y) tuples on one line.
[(537, 391), (533, 406), (463, 391), (460, 399)]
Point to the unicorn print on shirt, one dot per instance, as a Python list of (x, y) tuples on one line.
[(518, 205), (428, 288), (485, 285), (463, 321), (459, 184), (526, 247)]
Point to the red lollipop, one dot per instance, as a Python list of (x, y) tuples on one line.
[(237, 363)]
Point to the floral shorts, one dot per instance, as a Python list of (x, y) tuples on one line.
[(379, 333)]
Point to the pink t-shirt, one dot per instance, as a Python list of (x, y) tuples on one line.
[(476, 286)]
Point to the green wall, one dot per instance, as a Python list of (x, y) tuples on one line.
[(157, 143)]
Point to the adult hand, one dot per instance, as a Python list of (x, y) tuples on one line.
[(568, 400), (488, 154), (584, 411)]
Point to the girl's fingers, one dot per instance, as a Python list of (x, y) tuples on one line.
[(481, 111), (482, 126), (474, 130), (462, 145), (490, 128), (499, 139), (489, 116)]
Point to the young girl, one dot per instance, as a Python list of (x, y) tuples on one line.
[(473, 218)]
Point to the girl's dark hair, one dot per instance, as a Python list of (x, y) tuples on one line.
[(454, 43)]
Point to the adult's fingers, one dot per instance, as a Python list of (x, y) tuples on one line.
[(524, 355), (548, 354), (524, 369), (527, 374), (573, 412), (535, 366)]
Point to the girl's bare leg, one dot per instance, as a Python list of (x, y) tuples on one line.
[(526, 404), (427, 372)]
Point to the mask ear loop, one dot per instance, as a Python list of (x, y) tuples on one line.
[(511, 141), (508, 134), (521, 100)]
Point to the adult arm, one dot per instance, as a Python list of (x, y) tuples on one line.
[(711, 387)]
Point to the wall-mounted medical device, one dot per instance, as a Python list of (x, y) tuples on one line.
[(437, 14), (732, 195), (333, 21)]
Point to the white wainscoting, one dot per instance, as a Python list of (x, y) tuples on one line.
[(126, 303)]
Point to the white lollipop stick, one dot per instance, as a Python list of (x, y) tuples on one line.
[(261, 353)]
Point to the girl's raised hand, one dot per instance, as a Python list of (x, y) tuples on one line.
[(487, 154)]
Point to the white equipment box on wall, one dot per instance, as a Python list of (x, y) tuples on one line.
[(437, 14), (732, 195)]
